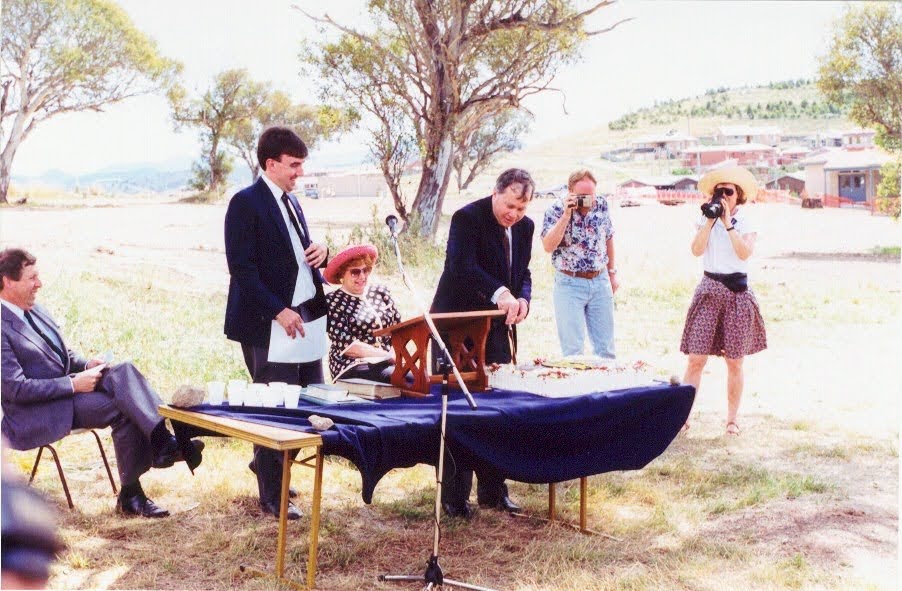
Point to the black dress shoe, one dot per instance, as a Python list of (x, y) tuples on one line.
[(140, 505), (292, 491), (504, 504), (454, 510), (273, 509), (170, 453)]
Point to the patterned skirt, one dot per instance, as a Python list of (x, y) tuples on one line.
[(720, 322)]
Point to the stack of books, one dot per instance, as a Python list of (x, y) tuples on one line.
[(368, 389), (328, 394)]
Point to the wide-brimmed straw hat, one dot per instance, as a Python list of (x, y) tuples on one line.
[(736, 175), (348, 254)]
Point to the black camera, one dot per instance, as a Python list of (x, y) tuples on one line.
[(713, 209)]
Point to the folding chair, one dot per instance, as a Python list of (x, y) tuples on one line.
[(59, 467)]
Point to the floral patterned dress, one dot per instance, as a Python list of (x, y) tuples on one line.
[(354, 318)]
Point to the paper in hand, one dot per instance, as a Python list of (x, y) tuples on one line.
[(311, 347)]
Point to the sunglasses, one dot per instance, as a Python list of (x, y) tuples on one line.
[(358, 271), (723, 192)]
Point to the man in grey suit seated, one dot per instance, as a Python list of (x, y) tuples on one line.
[(48, 390)]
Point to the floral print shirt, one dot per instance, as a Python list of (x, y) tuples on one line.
[(354, 318), (584, 245)]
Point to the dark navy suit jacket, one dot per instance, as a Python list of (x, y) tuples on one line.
[(476, 266), (262, 264)]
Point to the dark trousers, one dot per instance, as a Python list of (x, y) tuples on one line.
[(457, 478), (268, 462), (457, 482), (124, 401)]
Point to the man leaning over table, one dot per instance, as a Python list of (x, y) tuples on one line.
[(48, 390), (275, 286), (578, 233), (487, 267)]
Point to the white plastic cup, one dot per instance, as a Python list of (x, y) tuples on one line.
[(237, 393), (253, 396), (292, 395), (215, 392)]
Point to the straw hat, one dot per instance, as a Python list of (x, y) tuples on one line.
[(348, 254), (735, 175)]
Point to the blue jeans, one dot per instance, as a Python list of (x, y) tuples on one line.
[(580, 304)]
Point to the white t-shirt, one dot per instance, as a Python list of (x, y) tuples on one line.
[(719, 256)]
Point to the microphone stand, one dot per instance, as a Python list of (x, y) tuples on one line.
[(433, 577)]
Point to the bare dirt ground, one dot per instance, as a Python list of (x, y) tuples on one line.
[(837, 380)]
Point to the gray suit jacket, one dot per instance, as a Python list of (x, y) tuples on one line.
[(36, 392)]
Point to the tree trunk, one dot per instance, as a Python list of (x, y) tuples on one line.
[(433, 183), (4, 180), (6, 165)]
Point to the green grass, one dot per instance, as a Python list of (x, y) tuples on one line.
[(887, 251)]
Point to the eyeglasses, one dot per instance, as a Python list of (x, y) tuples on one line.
[(358, 271), (723, 192)]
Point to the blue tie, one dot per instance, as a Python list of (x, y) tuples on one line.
[(47, 339)]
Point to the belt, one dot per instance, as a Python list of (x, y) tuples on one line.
[(581, 274)]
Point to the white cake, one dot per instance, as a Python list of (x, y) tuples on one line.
[(572, 376)]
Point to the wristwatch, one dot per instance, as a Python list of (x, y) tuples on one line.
[(612, 271)]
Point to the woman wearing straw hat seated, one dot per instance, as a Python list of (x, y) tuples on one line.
[(723, 318), (356, 310)]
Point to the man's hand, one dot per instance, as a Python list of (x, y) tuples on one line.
[(86, 381), (94, 363), (615, 283), (291, 321), (315, 255), (511, 305), (524, 310)]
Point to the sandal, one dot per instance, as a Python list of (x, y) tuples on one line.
[(685, 427), (733, 428)]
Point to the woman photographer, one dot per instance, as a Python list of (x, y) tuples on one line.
[(356, 310), (723, 318)]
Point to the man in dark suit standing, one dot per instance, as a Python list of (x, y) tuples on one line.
[(275, 284), (48, 390), (487, 267)]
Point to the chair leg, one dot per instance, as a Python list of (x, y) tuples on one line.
[(59, 469), (37, 461), (106, 464)]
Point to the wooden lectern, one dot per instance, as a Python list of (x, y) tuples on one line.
[(460, 327)]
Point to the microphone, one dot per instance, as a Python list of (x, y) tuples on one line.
[(392, 223)]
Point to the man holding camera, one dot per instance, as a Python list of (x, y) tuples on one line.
[(578, 233)]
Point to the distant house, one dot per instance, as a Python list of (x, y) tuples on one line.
[(751, 155), (791, 181), (825, 139), (863, 138), (792, 154), (665, 182), (853, 174), (663, 146), (746, 134), (353, 183)]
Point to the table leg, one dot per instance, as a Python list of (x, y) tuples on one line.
[(582, 504), (551, 501), (314, 518), (283, 513)]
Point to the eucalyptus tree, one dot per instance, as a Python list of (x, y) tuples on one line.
[(488, 140), (64, 56), (232, 99), (863, 68), (425, 70), (313, 123)]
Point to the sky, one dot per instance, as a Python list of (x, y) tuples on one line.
[(671, 49)]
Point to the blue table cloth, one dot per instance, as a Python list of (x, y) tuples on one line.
[(525, 437)]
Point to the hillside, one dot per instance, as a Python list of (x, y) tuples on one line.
[(552, 161)]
